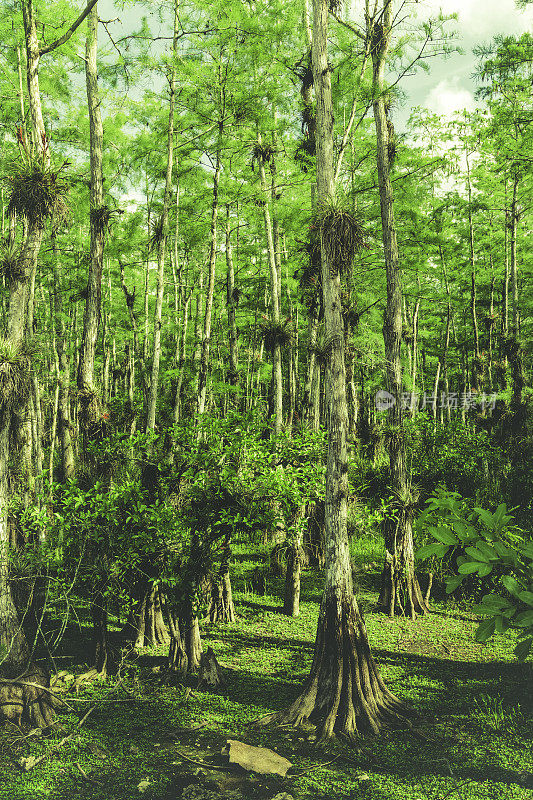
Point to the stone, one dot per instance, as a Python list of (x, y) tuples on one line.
[(256, 759)]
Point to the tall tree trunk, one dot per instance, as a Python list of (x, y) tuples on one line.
[(399, 587), (208, 314), (514, 348), (277, 376), (161, 251), (98, 222), (477, 365), (232, 301), (344, 692), (89, 409)]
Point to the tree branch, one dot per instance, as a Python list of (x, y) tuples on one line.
[(66, 36), (350, 27)]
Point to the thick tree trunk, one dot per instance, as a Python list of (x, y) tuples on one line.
[(191, 638), (177, 657), (150, 628), (221, 606), (399, 546), (344, 692)]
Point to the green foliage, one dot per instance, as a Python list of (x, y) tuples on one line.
[(463, 458), (486, 544)]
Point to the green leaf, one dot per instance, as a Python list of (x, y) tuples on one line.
[(486, 517), (501, 624), (445, 535), (524, 619), (487, 549), (526, 597), (512, 585), (453, 583), (495, 601), (477, 554), (434, 549), (469, 567), (485, 630), (504, 551), (527, 550), (522, 649), (484, 570), (488, 607)]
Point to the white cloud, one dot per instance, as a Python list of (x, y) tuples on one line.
[(483, 18), (448, 96)]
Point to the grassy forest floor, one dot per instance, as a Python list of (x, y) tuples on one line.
[(474, 737)]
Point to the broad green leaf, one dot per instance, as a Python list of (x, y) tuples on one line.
[(469, 567), (476, 553), (429, 550), (453, 583), (486, 517), (504, 551), (524, 619), (501, 624), (487, 549), (526, 597), (495, 601), (512, 585), (485, 630), (527, 550), (445, 536), (484, 570)]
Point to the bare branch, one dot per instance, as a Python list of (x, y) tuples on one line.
[(66, 36)]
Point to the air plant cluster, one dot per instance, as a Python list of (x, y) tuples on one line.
[(11, 266), (342, 236), (262, 154), (277, 333), (101, 217), (37, 189), (89, 408), (15, 374)]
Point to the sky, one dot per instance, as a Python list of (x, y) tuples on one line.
[(449, 86)]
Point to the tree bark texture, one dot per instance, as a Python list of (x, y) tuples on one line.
[(344, 692), (161, 251), (399, 561)]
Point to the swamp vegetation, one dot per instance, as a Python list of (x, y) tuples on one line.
[(266, 416)]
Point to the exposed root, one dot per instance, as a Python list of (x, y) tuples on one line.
[(28, 699), (344, 694)]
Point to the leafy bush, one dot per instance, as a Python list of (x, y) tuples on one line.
[(488, 545)]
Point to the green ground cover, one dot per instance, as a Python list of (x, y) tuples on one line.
[(473, 738)]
